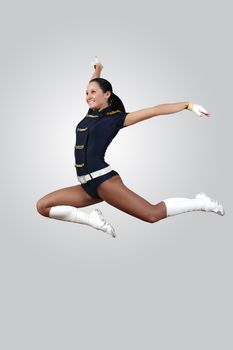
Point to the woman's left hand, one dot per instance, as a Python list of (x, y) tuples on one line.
[(199, 110)]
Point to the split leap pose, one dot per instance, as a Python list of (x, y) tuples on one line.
[(105, 117)]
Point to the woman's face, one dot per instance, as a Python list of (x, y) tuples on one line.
[(95, 97)]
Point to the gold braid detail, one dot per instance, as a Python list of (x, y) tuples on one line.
[(113, 112)]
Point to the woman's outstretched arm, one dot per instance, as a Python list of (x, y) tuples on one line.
[(163, 109), (97, 68)]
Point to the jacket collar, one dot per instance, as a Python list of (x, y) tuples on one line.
[(102, 112)]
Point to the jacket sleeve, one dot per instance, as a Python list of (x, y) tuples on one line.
[(120, 118)]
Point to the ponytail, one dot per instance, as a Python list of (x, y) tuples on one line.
[(116, 103)]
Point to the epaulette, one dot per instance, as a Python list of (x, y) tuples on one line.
[(113, 112)]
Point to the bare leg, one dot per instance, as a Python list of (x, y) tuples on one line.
[(63, 205), (74, 196), (115, 193)]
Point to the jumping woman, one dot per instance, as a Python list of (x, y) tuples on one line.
[(98, 181)]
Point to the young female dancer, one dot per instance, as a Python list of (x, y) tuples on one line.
[(105, 117)]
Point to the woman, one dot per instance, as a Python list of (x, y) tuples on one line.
[(105, 117)]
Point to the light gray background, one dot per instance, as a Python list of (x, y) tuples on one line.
[(156, 286)]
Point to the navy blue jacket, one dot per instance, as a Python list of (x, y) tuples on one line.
[(93, 135)]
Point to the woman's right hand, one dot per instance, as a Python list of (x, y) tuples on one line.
[(97, 63)]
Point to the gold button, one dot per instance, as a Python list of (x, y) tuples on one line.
[(80, 129), (79, 146), (92, 116), (79, 165)]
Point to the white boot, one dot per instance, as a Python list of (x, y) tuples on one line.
[(210, 204), (201, 202), (94, 219)]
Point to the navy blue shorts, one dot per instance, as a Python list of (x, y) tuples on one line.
[(91, 186)]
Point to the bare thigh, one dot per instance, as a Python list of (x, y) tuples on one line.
[(114, 192), (74, 196)]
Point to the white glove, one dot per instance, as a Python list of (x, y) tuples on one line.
[(199, 110), (96, 61)]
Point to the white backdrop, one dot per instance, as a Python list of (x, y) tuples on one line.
[(161, 286)]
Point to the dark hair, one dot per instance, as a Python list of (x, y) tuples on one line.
[(114, 101)]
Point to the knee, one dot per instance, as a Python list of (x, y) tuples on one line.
[(42, 208), (157, 213), (152, 218)]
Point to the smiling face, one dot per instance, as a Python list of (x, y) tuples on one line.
[(95, 97)]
